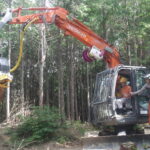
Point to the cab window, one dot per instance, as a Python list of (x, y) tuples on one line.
[(139, 79), (103, 87)]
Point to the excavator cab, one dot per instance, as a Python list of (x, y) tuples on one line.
[(110, 109)]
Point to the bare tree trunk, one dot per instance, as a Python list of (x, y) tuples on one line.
[(61, 81), (8, 89), (72, 96), (47, 92), (41, 63), (22, 86), (88, 91), (141, 52), (61, 91), (68, 103), (75, 100), (68, 100), (129, 54), (82, 99), (9, 61), (136, 51)]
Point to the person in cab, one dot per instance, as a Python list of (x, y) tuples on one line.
[(125, 89)]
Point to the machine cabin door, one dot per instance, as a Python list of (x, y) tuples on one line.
[(143, 98), (102, 104), (123, 102)]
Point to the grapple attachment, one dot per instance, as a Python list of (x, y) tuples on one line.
[(92, 54), (6, 17)]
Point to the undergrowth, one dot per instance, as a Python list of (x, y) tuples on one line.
[(46, 124), (40, 126)]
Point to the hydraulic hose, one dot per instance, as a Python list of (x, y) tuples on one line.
[(5, 78), (21, 44)]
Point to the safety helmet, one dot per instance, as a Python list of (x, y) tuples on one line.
[(123, 79), (147, 76)]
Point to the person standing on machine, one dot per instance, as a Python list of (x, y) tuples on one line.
[(140, 91)]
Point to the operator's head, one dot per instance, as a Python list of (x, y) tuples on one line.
[(147, 78), (123, 80)]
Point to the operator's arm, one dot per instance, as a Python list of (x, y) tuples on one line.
[(139, 91)]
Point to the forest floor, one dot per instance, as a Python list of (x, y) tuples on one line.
[(73, 145), (4, 140), (88, 141)]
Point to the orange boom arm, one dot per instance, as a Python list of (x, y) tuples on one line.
[(99, 48)]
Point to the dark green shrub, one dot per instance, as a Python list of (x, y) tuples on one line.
[(41, 125)]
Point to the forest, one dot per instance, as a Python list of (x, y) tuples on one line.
[(52, 71)]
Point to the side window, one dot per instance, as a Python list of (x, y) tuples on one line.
[(139, 78), (103, 88)]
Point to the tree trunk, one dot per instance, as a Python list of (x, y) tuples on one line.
[(129, 54), (47, 91), (82, 100), (88, 91), (75, 100), (61, 81), (41, 63), (68, 103), (8, 89), (22, 86), (72, 96), (141, 52), (136, 51), (68, 100)]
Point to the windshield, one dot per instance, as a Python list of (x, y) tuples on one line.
[(143, 98)]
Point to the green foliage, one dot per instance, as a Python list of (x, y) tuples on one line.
[(41, 125), (72, 131), (77, 125), (106, 130), (45, 124), (62, 139), (146, 147), (79, 128), (138, 128)]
